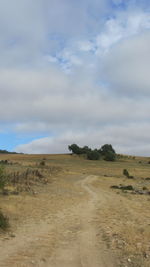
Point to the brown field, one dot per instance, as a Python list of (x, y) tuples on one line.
[(64, 213)]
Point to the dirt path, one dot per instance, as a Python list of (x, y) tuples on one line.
[(68, 239)]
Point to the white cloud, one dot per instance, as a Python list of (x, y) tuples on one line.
[(129, 138), (123, 26), (53, 98), (86, 46), (127, 65), (74, 70)]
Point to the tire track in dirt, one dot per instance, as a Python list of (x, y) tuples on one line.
[(68, 240), (85, 250), (92, 254)]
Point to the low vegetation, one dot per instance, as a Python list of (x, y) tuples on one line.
[(126, 173), (3, 178), (42, 163), (93, 155), (4, 221), (123, 187)]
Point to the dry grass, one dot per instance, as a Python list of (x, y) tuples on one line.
[(123, 218)]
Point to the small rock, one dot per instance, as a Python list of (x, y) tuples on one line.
[(129, 260)]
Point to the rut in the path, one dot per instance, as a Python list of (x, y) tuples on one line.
[(85, 250), (69, 240)]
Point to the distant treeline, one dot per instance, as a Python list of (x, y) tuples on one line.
[(106, 152), (6, 152)]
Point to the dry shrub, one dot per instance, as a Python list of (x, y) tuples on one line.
[(4, 221)]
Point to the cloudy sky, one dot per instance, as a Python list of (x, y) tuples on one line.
[(74, 71)]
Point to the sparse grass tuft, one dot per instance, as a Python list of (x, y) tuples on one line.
[(42, 163), (2, 177), (4, 221), (126, 173)]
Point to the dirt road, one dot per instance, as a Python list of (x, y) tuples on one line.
[(66, 238)]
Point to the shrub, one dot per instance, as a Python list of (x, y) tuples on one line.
[(107, 152), (4, 161), (4, 221), (105, 149), (126, 173), (86, 150), (123, 187), (110, 156), (145, 188), (2, 177), (75, 149), (42, 163), (93, 155)]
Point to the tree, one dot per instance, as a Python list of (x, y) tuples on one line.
[(110, 156), (75, 149), (86, 149), (108, 152), (93, 155), (105, 149)]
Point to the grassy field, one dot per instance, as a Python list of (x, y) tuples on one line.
[(122, 216)]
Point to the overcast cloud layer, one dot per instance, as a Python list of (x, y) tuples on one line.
[(75, 72)]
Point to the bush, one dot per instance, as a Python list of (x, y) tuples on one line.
[(105, 149), (42, 163), (110, 156), (2, 177), (93, 155), (107, 152), (123, 187), (4, 161), (4, 221), (126, 173), (85, 150), (75, 149)]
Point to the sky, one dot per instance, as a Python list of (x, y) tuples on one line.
[(75, 71)]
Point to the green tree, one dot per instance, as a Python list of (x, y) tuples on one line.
[(75, 149), (93, 155), (105, 149), (110, 156), (85, 149)]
